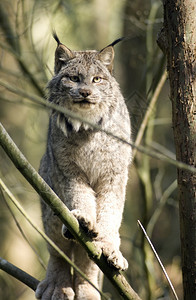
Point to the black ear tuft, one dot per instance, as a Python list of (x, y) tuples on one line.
[(62, 54), (56, 37), (117, 41), (106, 55)]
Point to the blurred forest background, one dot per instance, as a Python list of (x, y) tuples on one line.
[(26, 63)]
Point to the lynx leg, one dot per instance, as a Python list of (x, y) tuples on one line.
[(83, 290), (58, 281), (110, 203)]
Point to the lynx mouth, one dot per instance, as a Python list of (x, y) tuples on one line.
[(84, 102)]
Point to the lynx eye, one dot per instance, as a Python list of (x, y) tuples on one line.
[(97, 79), (74, 78)]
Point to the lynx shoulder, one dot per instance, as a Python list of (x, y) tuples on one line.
[(86, 167)]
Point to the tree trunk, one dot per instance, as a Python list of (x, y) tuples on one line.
[(180, 37)]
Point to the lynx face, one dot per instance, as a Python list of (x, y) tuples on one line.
[(83, 84)]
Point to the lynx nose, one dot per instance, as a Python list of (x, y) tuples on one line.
[(85, 93)]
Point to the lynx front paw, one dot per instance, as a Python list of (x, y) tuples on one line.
[(86, 221), (51, 290), (114, 256)]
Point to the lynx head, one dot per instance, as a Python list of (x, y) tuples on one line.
[(83, 83)]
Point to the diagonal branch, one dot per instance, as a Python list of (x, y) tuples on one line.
[(159, 261), (19, 274), (149, 112), (59, 208), (20, 228), (45, 237)]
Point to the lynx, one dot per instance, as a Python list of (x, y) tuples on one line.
[(87, 168)]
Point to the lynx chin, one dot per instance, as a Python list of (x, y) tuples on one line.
[(85, 167)]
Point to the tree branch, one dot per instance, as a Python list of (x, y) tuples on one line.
[(59, 208), (149, 112), (19, 274), (159, 261), (44, 236), (18, 225)]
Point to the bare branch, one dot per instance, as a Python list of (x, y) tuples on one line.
[(19, 274), (45, 237), (161, 204), (148, 112), (22, 231), (159, 261), (13, 42)]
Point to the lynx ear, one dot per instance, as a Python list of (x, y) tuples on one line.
[(106, 55), (62, 54)]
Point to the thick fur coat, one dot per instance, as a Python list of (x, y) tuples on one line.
[(87, 168)]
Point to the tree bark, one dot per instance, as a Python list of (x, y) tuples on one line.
[(180, 37)]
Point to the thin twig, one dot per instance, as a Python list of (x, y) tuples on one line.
[(159, 261), (22, 231), (161, 204), (70, 114), (21, 102), (13, 41), (160, 148), (148, 112)]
